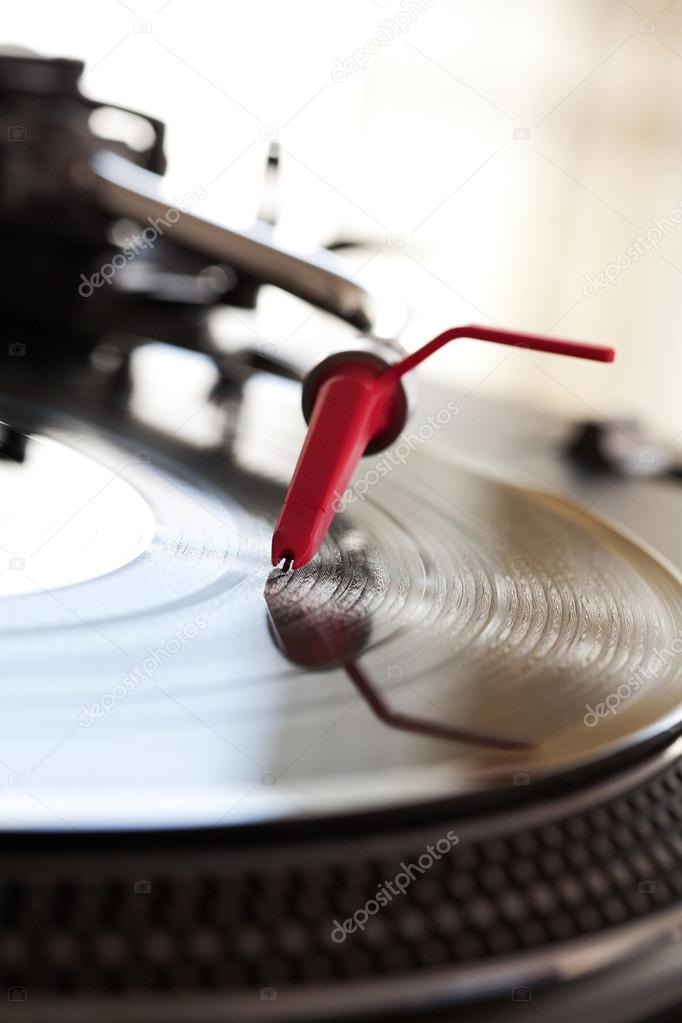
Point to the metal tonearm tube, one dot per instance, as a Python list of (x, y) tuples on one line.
[(128, 190)]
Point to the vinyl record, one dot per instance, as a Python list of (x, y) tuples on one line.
[(456, 633)]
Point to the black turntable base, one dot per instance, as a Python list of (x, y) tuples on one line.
[(431, 775), (206, 925)]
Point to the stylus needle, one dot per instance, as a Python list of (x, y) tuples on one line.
[(354, 405)]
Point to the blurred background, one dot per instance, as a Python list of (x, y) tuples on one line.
[(511, 162)]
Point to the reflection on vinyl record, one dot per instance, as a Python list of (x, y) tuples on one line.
[(453, 631)]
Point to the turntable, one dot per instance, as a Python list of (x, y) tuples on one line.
[(431, 769)]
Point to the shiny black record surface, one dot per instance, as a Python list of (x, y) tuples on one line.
[(456, 633)]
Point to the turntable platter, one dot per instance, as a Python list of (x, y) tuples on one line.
[(456, 633)]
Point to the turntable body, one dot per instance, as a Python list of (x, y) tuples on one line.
[(189, 757)]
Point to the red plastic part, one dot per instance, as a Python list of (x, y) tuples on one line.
[(536, 342), (352, 408)]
